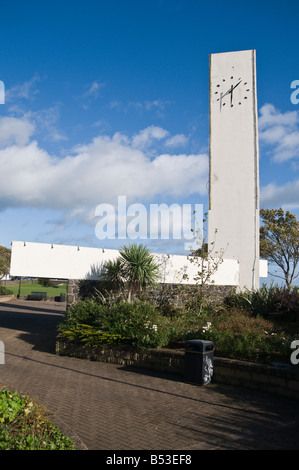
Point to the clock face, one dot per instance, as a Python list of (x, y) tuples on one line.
[(231, 91)]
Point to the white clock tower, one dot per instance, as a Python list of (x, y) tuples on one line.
[(234, 163)]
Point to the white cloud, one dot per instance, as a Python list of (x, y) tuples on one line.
[(155, 106), (45, 121), (15, 131), (285, 196), (115, 104), (269, 116), (176, 140), (93, 89), (24, 90), (182, 174), (281, 131), (97, 172), (145, 137), (23, 122)]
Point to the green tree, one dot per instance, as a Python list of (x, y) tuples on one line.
[(134, 269), (279, 242), (4, 261)]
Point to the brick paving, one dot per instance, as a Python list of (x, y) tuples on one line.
[(109, 407)]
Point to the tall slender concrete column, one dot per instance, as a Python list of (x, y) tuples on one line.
[(233, 223)]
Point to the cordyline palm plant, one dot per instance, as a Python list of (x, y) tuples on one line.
[(113, 274), (134, 269)]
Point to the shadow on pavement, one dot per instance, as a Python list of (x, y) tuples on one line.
[(38, 306), (34, 324)]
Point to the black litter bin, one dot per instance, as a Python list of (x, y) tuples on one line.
[(199, 361)]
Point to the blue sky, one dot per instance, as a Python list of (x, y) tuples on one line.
[(109, 98)]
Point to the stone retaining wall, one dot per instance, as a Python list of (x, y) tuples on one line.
[(266, 378), (174, 294)]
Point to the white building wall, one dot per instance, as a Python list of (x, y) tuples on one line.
[(72, 262)]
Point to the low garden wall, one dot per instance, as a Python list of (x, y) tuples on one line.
[(174, 294), (265, 378), (6, 298)]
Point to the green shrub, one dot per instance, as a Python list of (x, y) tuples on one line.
[(239, 335), (259, 302), (238, 332), (141, 323), (91, 336), (45, 282), (287, 303), (24, 425), (87, 312), (5, 291), (268, 300)]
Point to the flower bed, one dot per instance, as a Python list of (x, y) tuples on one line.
[(24, 425), (246, 334), (236, 333)]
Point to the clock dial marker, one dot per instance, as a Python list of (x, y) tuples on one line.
[(228, 93)]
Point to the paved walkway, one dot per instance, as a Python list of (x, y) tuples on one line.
[(109, 407)]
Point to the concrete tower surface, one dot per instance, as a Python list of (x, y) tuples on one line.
[(233, 223)]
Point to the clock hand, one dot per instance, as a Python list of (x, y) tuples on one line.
[(226, 93), (222, 95), (229, 91), (232, 89), (236, 85)]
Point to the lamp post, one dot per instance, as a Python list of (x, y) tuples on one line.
[(19, 293)]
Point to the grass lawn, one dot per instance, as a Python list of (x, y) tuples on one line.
[(26, 289)]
